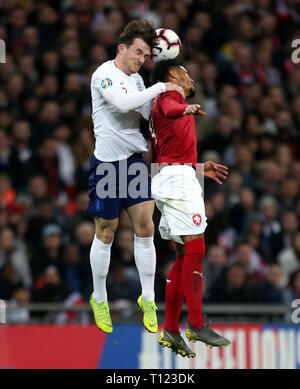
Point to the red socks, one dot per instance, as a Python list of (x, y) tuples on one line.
[(174, 296), (192, 280), (185, 281)]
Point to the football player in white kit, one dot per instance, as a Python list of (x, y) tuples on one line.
[(119, 98)]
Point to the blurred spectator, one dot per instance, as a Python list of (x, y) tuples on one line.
[(14, 252), (272, 231), (7, 191), (20, 298), (72, 268), (220, 140), (5, 151), (36, 222), (214, 264), (79, 215), (288, 194), (244, 162), (50, 289), (232, 287), (37, 188), (21, 159), (124, 247), (50, 251), (270, 291), (47, 164), (289, 258), (232, 187), (217, 215), (290, 226), (293, 291), (83, 149), (8, 281), (119, 286), (84, 235), (66, 164), (254, 265), (241, 212)]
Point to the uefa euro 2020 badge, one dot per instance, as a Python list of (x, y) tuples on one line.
[(106, 83)]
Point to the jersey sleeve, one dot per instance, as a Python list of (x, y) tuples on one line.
[(171, 105), (113, 93), (145, 109)]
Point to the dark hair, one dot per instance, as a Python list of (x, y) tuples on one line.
[(162, 68), (142, 29)]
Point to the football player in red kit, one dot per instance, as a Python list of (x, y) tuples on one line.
[(178, 195)]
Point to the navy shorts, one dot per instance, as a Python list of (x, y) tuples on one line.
[(116, 185)]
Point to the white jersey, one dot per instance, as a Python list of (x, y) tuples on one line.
[(118, 100)]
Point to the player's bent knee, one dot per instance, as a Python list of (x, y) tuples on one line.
[(179, 248), (105, 236), (144, 231)]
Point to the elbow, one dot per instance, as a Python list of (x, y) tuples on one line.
[(120, 108), (123, 108)]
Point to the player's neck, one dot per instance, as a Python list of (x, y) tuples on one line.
[(118, 63)]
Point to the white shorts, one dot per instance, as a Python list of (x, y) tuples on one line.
[(178, 195)]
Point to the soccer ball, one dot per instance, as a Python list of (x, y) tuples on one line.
[(168, 46)]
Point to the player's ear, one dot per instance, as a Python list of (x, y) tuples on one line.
[(173, 74), (121, 48)]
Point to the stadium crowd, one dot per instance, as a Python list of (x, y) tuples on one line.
[(239, 53)]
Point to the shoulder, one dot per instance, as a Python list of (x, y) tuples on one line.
[(172, 95), (105, 70)]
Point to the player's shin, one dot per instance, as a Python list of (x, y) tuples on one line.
[(174, 296), (145, 259), (192, 280), (100, 259)]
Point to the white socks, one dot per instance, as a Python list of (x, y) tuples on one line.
[(100, 260), (145, 260)]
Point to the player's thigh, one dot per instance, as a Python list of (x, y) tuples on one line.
[(105, 228), (188, 238), (179, 248), (141, 218)]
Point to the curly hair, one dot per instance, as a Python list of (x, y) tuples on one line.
[(162, 68), (142, 29)]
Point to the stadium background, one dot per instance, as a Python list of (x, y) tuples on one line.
[(239, 53)]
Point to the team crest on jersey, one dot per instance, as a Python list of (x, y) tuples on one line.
[(197, 219), (106, 83), (139, 85)]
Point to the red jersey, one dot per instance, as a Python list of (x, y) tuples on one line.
[(173, 135)]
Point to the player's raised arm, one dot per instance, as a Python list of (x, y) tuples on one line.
[(194, 109), (172, 107), (125, 102)]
